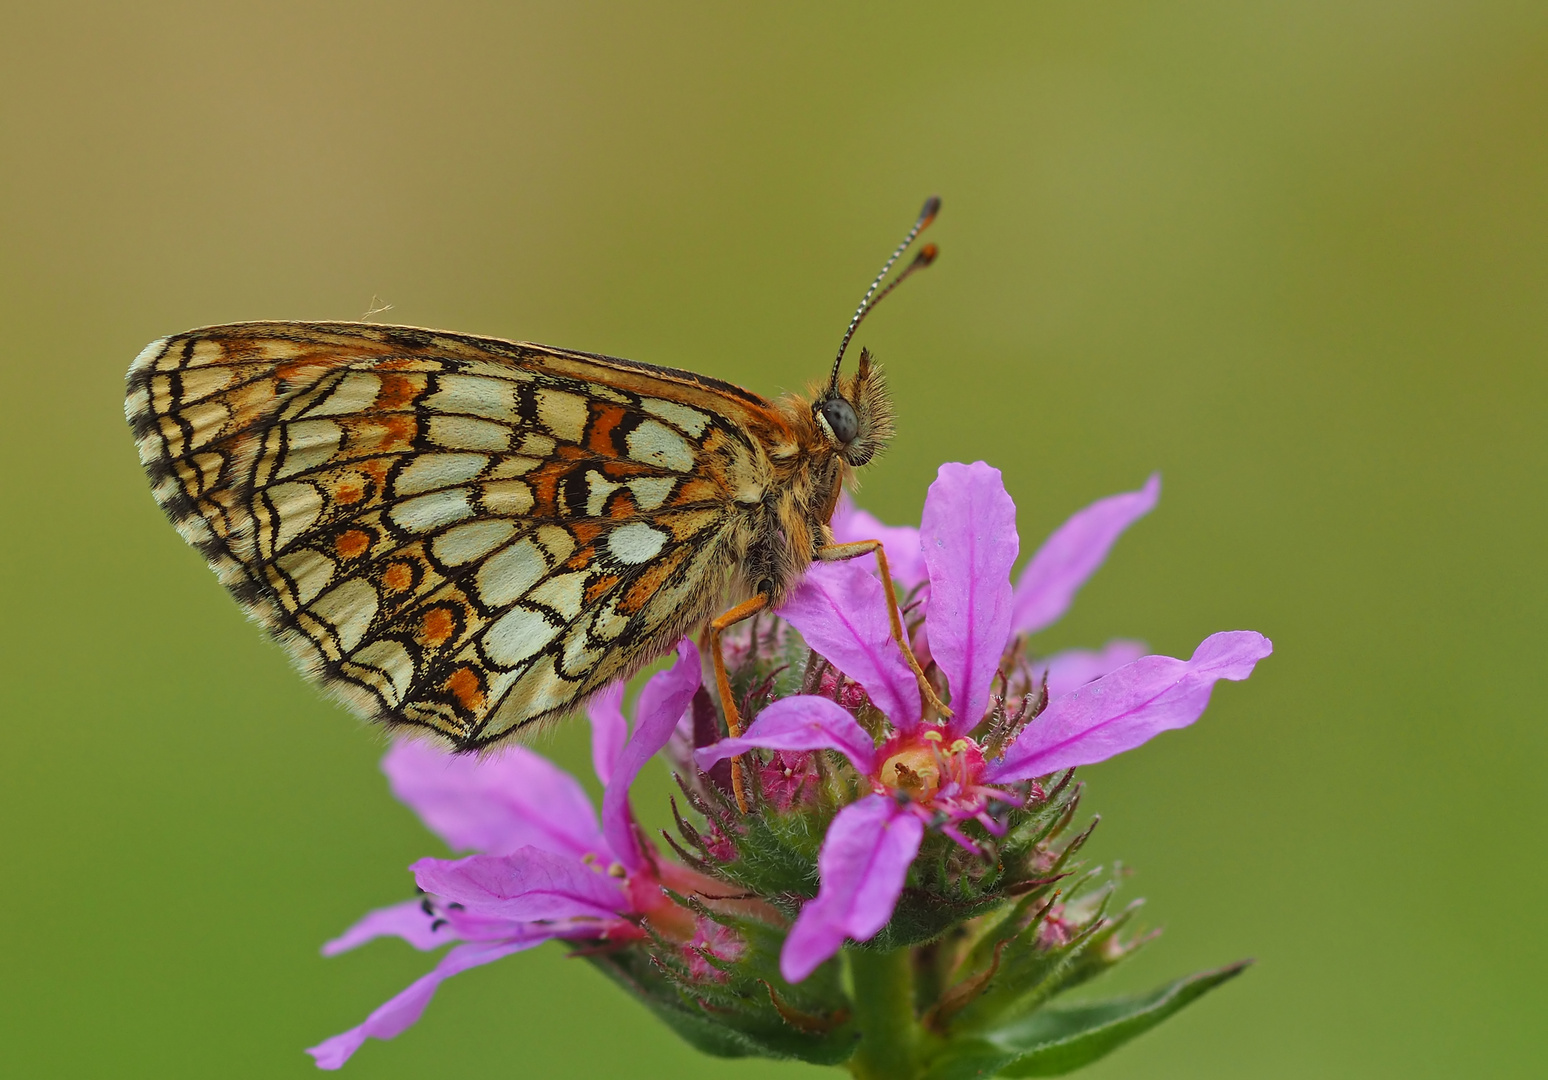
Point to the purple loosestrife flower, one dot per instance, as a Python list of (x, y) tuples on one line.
[(934, 842), (1048, 583), (932, 772), (546, 869)]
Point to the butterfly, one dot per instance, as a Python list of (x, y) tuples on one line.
[(471, 536)]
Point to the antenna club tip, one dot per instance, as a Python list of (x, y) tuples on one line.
[(932, 207), (927, 255)]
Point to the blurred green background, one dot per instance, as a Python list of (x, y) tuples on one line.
[(1291, 254)]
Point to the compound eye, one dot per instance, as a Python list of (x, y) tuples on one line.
[(841, 418)]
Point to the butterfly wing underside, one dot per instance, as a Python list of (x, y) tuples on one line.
[(457, 533)]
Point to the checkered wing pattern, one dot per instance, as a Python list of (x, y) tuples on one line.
[(459, 533)]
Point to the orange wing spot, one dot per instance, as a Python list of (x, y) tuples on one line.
[(621, 469), (621, 506), (375, 469), (380, 433), (581, 559), (399, 431), (698, 491), (348, 492), (465, 686), (300, 372), (651, 580), (398, 391), (604, 418), (437, 626), (352, 544), (544, 482), (600, 586), (586, 531), (398, 576)]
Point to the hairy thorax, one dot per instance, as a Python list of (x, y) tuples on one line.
[(777, 534)]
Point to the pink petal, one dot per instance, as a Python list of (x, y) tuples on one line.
[(840, 610), (407, 920), (1074, 668), (863, 864), (969, 538), (679, 748), (524, 886), (1073, 553), (901, 542), (1120, 711), (511, 799), (801, 722), (401, 1011), (661, 704), (469, 926), (609, 729)]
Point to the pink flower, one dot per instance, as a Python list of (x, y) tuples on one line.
[(850, 524), (930, 773), (948, 803), (1048, 583), (545, 867)]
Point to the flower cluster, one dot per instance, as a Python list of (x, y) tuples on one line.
[(925, 846)]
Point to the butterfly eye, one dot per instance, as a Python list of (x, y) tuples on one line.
[(841, 419)]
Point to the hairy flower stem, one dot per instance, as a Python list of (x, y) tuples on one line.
[(883, 985)]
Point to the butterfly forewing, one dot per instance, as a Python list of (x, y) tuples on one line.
[(453, 532)]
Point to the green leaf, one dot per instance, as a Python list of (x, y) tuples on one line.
[(1053, 1042), (1056, 1041), (705, 1035)]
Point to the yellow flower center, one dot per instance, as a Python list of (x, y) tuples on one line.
[(915, 770)]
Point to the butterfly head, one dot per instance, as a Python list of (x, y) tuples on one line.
[(855, 414)]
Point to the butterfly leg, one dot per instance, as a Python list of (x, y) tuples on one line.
[(743, 611), (844, 552)]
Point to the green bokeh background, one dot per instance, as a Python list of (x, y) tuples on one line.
[(1291, 254)]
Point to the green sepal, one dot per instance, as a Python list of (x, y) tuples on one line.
[(746, 1009), (738, 1017), (776, 856), (703, 1033), (774, 669), (1056, 1041), (1044, 822), (1031, 974)]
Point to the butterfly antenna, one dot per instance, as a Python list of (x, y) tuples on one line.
[(868, 303)]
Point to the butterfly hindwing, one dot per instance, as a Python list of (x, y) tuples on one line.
[(452, 532)]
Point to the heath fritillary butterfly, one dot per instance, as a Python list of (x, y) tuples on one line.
[(470, 535)]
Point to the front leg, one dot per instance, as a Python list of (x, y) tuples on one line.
[(743, 611), (844, 552)]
